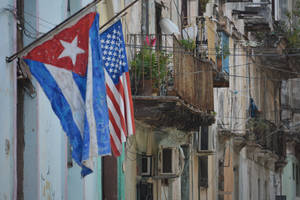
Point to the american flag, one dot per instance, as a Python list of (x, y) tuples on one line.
[(119, 100)]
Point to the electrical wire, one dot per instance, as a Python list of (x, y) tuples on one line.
[(36, 17), (270, 49), (21, 22)]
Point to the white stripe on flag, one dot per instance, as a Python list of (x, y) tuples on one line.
[(115, 137), (116, 117), (118, 97), (128, 118), (70, 90), (89, 107)]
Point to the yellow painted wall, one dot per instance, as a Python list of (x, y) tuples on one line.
[(107, 9), (211, 39), (228, 174)]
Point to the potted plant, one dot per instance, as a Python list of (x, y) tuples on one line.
[(222, 52), (189, 45), (150, 69)]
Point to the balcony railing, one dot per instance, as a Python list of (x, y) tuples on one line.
[(161, 66), (266, 134), (150, 63)]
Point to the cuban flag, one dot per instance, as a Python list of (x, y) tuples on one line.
[(119, 99), (68, 68)]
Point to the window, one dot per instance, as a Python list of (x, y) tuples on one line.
[(146, 168), (258, 189), (167, 160), (293, 171), (184, 13), (202, 139), (144, 191), (225, 49), (203, 171)]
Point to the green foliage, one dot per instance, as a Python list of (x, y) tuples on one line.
[(222, 51), (258, 126), (293, 26), (291, 29), (188, 44), (288, 29), (203, 5), (149, 64)]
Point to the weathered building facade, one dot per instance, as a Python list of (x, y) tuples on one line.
[(251, 143), (215, 97), (246, 149)]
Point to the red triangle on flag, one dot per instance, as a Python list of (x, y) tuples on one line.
[(67, 49)]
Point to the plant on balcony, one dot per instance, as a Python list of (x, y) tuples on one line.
[(221, 52), (189, 45), (150, 65), (203, 6), (288, 29), (293, 27)]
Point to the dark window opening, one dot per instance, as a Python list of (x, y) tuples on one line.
[(293, 171), (203, 171), (145, 17), (158, 10), (297, 174), (184, 12), (144, 191), (144, 164), (204, 138), (167, 160)]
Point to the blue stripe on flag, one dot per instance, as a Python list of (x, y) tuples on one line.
[(81, 83), (59, 105), (99, 92), (99, 101), (119, 24)]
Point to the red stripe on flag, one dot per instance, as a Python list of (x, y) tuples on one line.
[(130, 103), (116, 152), (118, 134), (117, 107), (120, 88), (113, 122)]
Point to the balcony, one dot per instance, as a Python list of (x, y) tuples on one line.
[(170, 87), (257, 17), (266, 135)]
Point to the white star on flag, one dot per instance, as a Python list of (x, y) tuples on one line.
[(70, 50)]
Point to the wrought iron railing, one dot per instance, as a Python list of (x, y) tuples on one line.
[(161, 66)]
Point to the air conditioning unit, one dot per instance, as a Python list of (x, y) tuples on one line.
[(146, 168), (203, 140), (280, 197), (169, 161)]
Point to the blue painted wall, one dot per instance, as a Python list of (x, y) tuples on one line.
[(46, 175), (225, 60), (8, 102)]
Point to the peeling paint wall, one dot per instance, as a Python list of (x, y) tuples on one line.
[(244, 176), (290, 114), (149, 140), (46, 175)]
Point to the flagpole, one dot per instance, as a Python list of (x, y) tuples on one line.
[(53, 30), (118, 14)]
